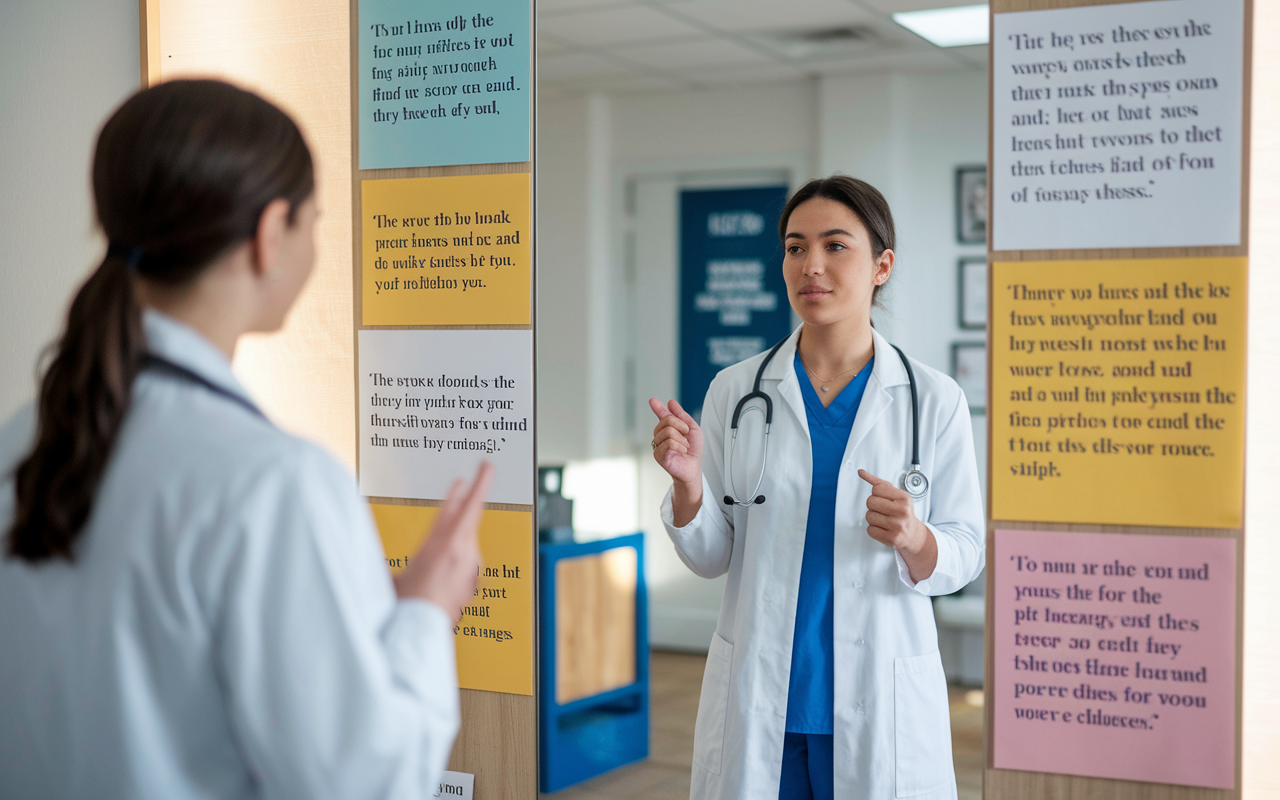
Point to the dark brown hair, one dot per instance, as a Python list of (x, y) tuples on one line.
[(860, 197), (181, 174)]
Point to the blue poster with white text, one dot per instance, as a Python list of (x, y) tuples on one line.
[(733, 300)]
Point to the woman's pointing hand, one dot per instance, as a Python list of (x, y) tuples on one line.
[(891, 520)]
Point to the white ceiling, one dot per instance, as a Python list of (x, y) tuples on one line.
[(645, 45)]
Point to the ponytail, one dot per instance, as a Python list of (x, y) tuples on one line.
[(82, 402), (181, 174)]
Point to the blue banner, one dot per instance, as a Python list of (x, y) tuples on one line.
[(733, 300)]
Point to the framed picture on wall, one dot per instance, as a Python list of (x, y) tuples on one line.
[(971, 204), (969, 368), (972, 292)]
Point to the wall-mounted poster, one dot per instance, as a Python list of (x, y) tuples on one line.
[(452, 250), (1118, 125), (433, 404), (494, 638), (1114, 656), (443, 83), (733, 300), (972, 292), (1126, 373), (971, 204)]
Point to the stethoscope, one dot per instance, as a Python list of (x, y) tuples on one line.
[(914, 482), (156, 363)]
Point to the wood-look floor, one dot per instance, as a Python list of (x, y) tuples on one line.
[(675, 680)]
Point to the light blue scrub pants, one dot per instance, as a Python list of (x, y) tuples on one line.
[(808, 767)]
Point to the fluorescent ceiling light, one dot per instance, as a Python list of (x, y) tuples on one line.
[(948, 27)]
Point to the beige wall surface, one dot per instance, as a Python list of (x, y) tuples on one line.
[(296, 54)]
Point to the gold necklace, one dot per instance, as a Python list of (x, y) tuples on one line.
[(824, 383)]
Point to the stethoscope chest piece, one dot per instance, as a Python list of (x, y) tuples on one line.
[(915, 483)]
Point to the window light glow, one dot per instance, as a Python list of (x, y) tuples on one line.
[(948, 27)]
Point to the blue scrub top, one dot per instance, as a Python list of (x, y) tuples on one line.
[(810, 699)]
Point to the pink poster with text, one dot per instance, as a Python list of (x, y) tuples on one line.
[(1115, 656)]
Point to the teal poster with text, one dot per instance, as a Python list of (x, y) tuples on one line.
[(443, 82)]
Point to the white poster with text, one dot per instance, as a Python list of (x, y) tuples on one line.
[(1118, 126), (434, 403)]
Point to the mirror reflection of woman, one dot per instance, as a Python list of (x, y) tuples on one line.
[(823, 678), (194, 603)]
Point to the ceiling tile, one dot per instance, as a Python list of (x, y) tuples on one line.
[(576, 65), (894, 6), (547, 46), (692, 53), (974, 54), (556, 6), (797, 15), (614, 84), (934, 60), (751, 75), (612, 26)]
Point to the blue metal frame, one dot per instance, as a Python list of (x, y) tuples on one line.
[(591, 735)]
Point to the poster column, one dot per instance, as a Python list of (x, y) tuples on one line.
[(443, 274), (1119, 282)]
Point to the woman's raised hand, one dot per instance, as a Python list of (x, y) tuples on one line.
[(445, 568), (677, 447)]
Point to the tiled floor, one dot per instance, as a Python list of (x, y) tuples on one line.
[(675, 681)]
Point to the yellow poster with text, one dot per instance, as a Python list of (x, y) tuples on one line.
[(494, 637), (1117, 391), (446, 251)]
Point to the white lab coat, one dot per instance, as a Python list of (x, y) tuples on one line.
[(229, 628), (892, 727)]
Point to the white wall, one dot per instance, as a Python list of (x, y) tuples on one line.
[(906, 134), (562, 272), (903, 133), (66, 65)]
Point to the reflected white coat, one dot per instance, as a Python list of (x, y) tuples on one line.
[(229, 628), (892, 726)]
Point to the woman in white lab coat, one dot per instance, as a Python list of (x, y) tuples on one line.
[(194, 603), (823, 678)]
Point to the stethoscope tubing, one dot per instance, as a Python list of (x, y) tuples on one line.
[(914, 481)]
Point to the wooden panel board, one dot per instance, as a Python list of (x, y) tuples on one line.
[(1016, 785), (1261, 703), (498, 742), (595, 623)]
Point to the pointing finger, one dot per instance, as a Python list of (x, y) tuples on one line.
[(658, 408), (871, 479), (480, 487), (881, 487)]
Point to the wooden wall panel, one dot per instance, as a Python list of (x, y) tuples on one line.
[(1260, 771), (1002, 784), (498, 742)]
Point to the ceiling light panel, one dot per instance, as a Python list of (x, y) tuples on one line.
[(948, 27)]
